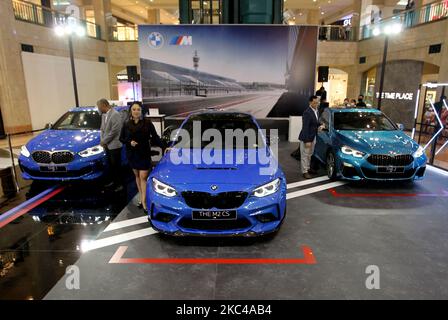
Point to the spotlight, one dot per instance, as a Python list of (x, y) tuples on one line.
[(80, 31), (59, 30)]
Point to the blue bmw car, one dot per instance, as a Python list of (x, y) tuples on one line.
[(228, 199), (69, 150), (358, 144)]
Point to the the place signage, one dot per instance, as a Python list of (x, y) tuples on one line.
[(396, 96)]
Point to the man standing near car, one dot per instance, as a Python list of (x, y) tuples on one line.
[(308, 135), (111, 123), (361, 103)]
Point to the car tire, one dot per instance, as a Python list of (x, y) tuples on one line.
[(331, 165)]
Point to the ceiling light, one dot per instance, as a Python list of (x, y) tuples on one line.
[(376, 32), (59, 31)]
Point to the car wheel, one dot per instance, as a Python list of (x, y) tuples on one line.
[(331, 165)]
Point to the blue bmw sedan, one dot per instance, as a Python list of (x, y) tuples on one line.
[(358, 144), (232, 197), (69, 150)]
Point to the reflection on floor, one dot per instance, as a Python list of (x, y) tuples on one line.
[(36, 248)]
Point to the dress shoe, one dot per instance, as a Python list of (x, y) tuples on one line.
[(307, 175)]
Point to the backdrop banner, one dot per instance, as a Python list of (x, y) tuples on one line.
[(267, 71)]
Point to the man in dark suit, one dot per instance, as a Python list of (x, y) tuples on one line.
[(308, 135)]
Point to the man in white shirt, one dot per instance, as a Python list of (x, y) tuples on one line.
[(307, 137)]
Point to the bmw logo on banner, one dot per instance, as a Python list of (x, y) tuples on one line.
[(156, 40)]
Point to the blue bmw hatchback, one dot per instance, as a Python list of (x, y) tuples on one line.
[(69, 150), (231, 198), (361, 144)]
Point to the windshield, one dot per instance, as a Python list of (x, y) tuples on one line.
[(230, 131), (362, 121), (80, 120)]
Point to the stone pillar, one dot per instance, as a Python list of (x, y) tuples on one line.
[(153, 16), (353, 82), (443, 70), (13, 96), (356, 19), (103, 13)]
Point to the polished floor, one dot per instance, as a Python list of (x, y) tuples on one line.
[(333, 232)]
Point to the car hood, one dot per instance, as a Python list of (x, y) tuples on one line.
[(378, 142), (236, 172), (72, 140)]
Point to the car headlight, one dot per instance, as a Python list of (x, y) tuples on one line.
[(352, 152), (24, 152), (420, 151), (163, 188), (91, 151), (267, 189)]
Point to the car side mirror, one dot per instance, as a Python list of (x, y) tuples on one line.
[(166, 135), (48, 125), (400, 126)]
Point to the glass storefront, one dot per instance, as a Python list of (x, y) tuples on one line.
[(206, 12), (431, 129)]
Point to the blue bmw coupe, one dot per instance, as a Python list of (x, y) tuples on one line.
[(231, 198), (69, 150), (358, 144)]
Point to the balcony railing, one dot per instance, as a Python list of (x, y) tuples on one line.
[(30, 12), (336, 33), (410, 18), (124, 33)]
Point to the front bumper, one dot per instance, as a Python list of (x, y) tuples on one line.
[(255, 217), (79, 169), (351, 168)]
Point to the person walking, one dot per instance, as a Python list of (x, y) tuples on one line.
[(137, 134), (308, 135), (111, 124)]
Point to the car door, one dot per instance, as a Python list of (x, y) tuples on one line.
[(323, 136)]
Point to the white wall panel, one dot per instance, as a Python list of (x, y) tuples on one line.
[(50, 88)]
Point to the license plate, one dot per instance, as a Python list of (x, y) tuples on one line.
[(390, 169), (53, 169), (214, 215)]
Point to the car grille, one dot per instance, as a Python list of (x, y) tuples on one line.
[(372, 174), (42, 156), (223, 200), (215, 225), (381, 160), (57, 157)]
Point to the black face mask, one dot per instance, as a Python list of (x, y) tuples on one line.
[(359, 100)]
